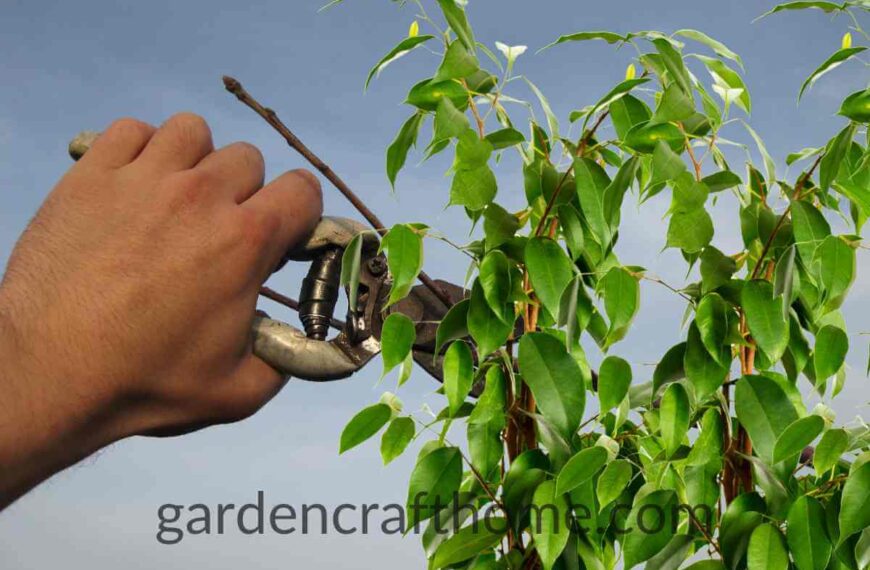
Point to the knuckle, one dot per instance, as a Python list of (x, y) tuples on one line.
[(250, 156), (188, 188), (256, 228), (310, 184), (190, 129), (129, 128)]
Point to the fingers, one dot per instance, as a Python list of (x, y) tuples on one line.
[(237, 169), (294, 204), (179, 144), (120, 144), (248, 390)]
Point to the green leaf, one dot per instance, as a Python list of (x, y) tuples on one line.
[(615, 94), (458, 374), (350, 266), (591, 182), (643, 137), (857, 106), (716, 269), (399, 434), (364, 425), (727, 78), (708, 446), (653, 511), (499, 225), (397, 152), (627, 112), (666, 164), (434, 479), (621, 300), (769, 165), (397, 338), (810, 230), (548, 523), (453, 325), (785, 278), (835, 152), (580, 469), (675, 105), (487, 328), (472, 151), (490, 406), (572, 227), (403, 47), (690, 230), (614, 378), (797, 436), (404, 247), (829, 354), (767, 549), (807, 540), (552, 122), (674, 416), (505, 138), (555, 379), (550, 270), (824, 6), (855, 504), (830, 449), (469, 542), (449, 121), (764, 318), (838, 58), (670, 368), (673, 62), (613, 480), (458, 62), (473, 188), (765, 410), (672, 555), (426, 94), (458, 22), (718, 47), (495, 279), (740, 519), (485, 448), (609, 37), (836, 266), (712, 319), (722, 180), (705, 373)]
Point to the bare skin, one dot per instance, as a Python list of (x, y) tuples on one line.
[(127, 304)]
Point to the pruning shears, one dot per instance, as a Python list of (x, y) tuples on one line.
[(307, 354)]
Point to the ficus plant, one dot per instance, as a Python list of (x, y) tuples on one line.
[(713, 462)]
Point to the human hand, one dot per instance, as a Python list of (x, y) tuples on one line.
[(127, 304)]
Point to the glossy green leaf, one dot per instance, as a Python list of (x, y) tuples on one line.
[(803, 5), (855, 505), (472, 152), (838, 58), (831, 447), (718, 47), (621, 301), (707, 448), (716, 269), (548, 523), (690, 230), (364, 425), (614, 379), (675, 106), (550, 270), (453, 325), (666, 164), (458, 374), (767, 550), (469, 542), (609, 37), (797, 436), (673, 62), (643, 137), (499, 225), (674, 417), (449, 121), (764, 318), (728, 79), (487, 328), (397, 338), (572, 227), (835, 153), (485, 448), (395, 440), (404, 247), (705, 371), (495, 279), (836, 266), (404, 47), (722, 180), (473, 188), (765, 411), (491, 404), (670, 368), (435, 478), (857, 106), (612, 481), (652, 512), (458, 22), (426, 94), (580, 469), (555, 380), (350, 267), (591, 181), (458, 63), (810, 230), (397, 152), (505, 138), (829, 354), (807, 539), (712, 317), (621, 90)]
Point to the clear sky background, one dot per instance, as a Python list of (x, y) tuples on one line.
[(67, 66)]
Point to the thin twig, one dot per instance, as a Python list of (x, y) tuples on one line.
[(233, 86)]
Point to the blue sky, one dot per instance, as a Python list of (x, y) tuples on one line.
[(68, 66)]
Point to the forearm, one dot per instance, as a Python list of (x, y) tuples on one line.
[(48, 419)]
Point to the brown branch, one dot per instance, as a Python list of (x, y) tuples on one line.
[(290, 303), (233, 86)]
